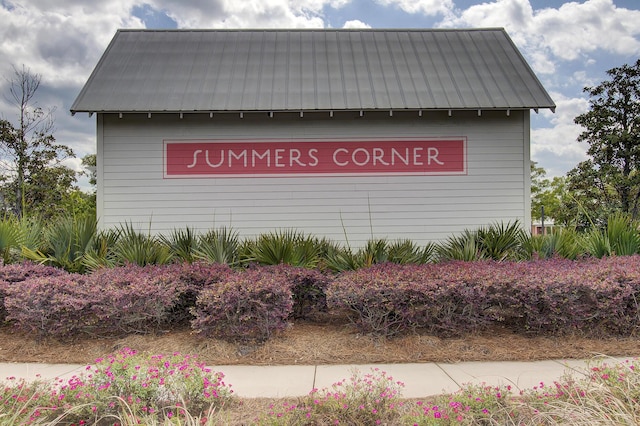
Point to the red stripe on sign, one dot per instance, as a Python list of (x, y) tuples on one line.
[(220, 158)]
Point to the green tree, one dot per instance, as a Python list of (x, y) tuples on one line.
[(547, 193), (33, 174), (610, 179)]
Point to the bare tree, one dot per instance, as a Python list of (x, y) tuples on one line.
[(28, 149)]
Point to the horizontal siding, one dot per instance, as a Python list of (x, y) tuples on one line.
[(422, 208)]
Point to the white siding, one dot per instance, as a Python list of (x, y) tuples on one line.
[(131, 187)]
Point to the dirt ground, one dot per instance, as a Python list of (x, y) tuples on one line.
[(307, 343)]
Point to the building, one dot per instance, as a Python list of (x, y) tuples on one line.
[(346, 134)]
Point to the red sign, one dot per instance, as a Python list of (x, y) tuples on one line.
[(317, 157)]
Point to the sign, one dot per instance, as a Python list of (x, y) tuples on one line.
[(314, 157)]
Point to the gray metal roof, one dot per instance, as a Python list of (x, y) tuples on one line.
[(303, 70)]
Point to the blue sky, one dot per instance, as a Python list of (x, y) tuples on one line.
[(569, 45)]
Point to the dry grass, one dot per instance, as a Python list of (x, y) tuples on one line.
[(333, 341)]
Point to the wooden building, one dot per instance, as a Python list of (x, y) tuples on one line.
[(345, 134)]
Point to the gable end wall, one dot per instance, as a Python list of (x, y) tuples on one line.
[(132, 188)]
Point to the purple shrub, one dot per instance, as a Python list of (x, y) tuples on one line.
[(390, 299), (249, 305), (134, 299), (16, 273), (55, 305), (192, 279), (595, 297), (308, 289), (114, 301)]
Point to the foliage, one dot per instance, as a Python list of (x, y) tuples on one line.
[(368, 399), (66, 242), (219, 246), (33, 175), (377, 251), (284, 246), (612, 130), (565, 243), (471, 405), (591, 297), (308, 289), (192, 279), (548, 194), (14, 274), (129, 385), (389, 299), (183, 243), (249, 305), (106, 302), (498, 241), (134, 247), (619, 238), (10, 239)]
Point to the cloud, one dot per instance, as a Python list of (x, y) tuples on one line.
[(424, 7), (355, 24), (60, 40), (246, 13), (557, 145), (574, 31)]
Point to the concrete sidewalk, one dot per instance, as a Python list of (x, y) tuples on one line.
[(420, 380)]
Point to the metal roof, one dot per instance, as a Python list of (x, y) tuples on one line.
[(306, 70)]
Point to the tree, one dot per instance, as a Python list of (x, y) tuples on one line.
[(33, 174), (546, 193), (612, 129)]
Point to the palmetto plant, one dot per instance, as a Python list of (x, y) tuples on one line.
[(10, 239), (619, 238), (285, 246), (219, 246), (465, 247), (65, 243), (183, 243), (139, 249)]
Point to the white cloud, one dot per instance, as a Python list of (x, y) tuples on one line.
[(556, 147), (60, 40), (424, 7), (571, 32), (355, 24), (246, 13)]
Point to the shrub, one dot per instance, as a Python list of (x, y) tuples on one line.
[(50, 306), (285, 246), (134, 299), (249, 305), (591, 297), (192, 278), (183, 243), (308, 289), (390, 299), (219, 246), (16, 273), (369, 399), (66, 241), (158, 389), (106, 302)]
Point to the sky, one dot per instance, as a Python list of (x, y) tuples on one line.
[(569, 45)]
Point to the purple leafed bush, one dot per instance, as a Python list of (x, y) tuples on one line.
[(134, 299), (114, 301), (308, 289), (594, 297), (14, 274), (193, 278), (56, 305), (249, 305), (390, 299)]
